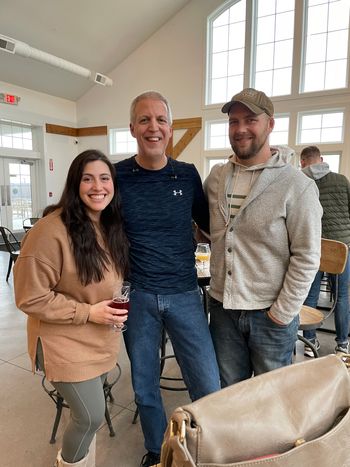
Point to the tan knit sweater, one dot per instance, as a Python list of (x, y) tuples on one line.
[(48, 290)]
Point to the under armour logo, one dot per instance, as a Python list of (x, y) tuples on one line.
[(175, 193)]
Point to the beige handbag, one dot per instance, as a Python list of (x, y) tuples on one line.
[(296, 416)]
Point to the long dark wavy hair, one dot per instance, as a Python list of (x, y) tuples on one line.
[(92, 260)]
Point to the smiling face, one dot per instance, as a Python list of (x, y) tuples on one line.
[(96, 188), (152, 129), (249, 134)]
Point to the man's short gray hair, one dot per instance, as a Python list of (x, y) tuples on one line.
[(154, 95)]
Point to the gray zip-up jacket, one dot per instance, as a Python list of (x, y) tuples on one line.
[(268, 254)]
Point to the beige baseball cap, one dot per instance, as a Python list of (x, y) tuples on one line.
[(256, 101)]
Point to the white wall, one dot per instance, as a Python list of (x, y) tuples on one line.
[(172, 61)]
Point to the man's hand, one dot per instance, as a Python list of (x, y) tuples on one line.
[(274, 319)]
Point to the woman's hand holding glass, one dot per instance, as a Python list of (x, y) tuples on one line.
[(103, 313), (120, 303)]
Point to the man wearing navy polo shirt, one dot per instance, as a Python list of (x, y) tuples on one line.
[(160, 197)]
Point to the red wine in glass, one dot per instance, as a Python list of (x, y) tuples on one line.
[(120, 304)]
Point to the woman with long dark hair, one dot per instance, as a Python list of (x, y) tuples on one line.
[(69, 265)]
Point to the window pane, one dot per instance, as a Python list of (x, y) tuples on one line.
[(266, 7), (314, 77), (237, 11), (234, 57), (284, 5), (222, 19), (283, 54), (217, 135), (331, 135), (234, 83), (336, 74), (266, 29), (220, 39), (311, 121), (332, 119), (337, 45), (263, 82), (333, 160), (282, 80), (219, 90), (317, 19), (237, 35), (284, 26), (310, 136), (220, 65), (281, 124), (316, 48), (337, 19), (17, 143), (264, 57), (280, 131)]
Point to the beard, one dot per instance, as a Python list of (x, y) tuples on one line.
[(250, 151)]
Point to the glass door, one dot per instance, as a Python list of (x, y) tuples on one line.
[(16, 188)]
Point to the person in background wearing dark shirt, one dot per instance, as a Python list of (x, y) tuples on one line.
[(160, 196)]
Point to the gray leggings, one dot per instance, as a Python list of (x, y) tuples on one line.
[(87, 406)]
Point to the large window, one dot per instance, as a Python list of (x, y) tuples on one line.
[(297, 52), (325, 127), (251, 43), (273, 46), (326, 37), (227, 49)]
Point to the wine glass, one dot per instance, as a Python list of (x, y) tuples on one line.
[(202, 254), (121, 297)]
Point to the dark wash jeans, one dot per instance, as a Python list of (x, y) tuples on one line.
[(184, 319), (249, 342)]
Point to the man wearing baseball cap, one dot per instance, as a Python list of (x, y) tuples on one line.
[(265, 225)]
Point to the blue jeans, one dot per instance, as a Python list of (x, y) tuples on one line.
[(249, 342), (184, 319), (341, 311)]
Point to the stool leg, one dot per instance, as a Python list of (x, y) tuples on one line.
[(136, 414), (108, 420), (59, 405)]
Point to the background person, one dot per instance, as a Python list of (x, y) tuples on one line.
[(335, 200), (160, 196), (69, 264), (265, 227)]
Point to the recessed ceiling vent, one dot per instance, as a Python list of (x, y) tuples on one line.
[(7, 45)]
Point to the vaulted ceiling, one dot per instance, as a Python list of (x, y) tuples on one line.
[(97, 35)]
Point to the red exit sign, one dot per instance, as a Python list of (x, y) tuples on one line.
[(9, 99)]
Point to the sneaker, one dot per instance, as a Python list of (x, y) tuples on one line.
[(342, 348), (150, 458), (308, 352)]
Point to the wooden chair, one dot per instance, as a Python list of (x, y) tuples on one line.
[(334, 255), (13, 247)]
